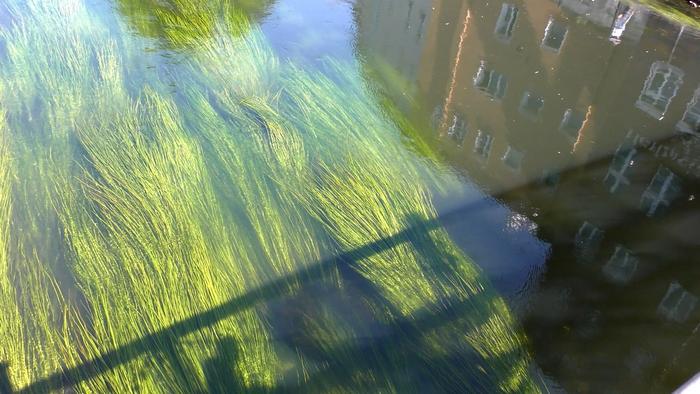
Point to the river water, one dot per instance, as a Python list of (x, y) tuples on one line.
[(556, 142), (574, 126), (578, 121)]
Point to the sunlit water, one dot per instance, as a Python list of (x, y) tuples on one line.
[(557, 143)]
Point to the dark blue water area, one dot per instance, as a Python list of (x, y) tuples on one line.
[(503, 243)]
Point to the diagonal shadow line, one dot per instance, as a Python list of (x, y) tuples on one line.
[(403, 332), (279, 287)]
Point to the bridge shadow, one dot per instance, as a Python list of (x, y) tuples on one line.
[(280, 287), (402, 332), (400, 351)]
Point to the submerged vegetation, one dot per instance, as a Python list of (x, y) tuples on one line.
[(128, 206), (185, 23), (683, 12)]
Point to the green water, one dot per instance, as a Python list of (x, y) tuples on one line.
[(185, 210)]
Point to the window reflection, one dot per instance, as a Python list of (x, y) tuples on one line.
[(457, 129), (661, 86), (622, 266), (691, 118), (551, 178), (436, 117), (622, 161), (407, 25), (587, 242), (622, 18), (482, 144), (531, 105), (663, 189), (554, 35), (571, 123), (513, 159), (677, 304), (492, 83), (506, 22), (421, 26)]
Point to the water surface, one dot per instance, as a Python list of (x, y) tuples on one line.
[(360, 196)]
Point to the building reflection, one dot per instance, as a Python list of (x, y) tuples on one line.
[(585, 117)]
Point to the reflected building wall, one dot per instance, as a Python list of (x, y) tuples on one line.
[(394, 34), (602, 13), (595, 142)]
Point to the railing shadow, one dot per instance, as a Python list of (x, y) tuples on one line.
[(277, 288), (128, 352), (402, 342)]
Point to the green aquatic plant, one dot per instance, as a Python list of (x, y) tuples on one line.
[(43, 292), (678, 11), (426, 274), (156, 217), (354, 138), (112, 308), (12, 350), (138, 208), (182, 24)]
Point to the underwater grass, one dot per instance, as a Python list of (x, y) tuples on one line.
[(147, 194), (35, 253), (158, 219), (164, 205), (122, 300), (360, 172), (12, 350), (180, 24), (677, 11)]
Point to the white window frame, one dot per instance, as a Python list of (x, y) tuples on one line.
[(548, 30), (693, 109), (506, 21), (619, 173), (666, 70), (658, 197)]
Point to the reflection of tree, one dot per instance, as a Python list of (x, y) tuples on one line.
[(182, 23)]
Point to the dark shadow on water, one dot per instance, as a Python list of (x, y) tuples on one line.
[(5, 385), (272, 290), (402, 343), (402, 333), (219, 373)]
